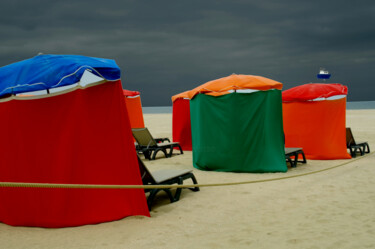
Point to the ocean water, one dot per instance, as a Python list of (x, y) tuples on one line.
[(157, 109), (349, 106), (360, 105)]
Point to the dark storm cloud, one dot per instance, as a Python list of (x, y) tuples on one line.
[(166, 47)]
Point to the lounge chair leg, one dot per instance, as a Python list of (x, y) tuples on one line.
[(151, 197), (147, 154), (170, 151), (303, 157), (181, 151), (295, 159), (178, 190), (290, 161), (368, 148), (364, 147), (169, 193), (362, 151), (358, 150), (153, 193), (157, 150), (172, 147), (195, 189)]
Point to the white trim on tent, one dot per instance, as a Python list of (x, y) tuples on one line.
[(62, 88), (133, 97), (330, 98), (40, 92), (87, 78), (59, 90), (244, 91)]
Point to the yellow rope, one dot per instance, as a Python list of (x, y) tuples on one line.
[(101, 186)]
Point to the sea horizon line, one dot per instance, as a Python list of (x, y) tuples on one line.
[(352, 105)]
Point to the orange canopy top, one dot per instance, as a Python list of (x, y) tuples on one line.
[(233, 82), (183, 95)]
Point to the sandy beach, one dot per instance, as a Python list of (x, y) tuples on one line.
[(330, 209)]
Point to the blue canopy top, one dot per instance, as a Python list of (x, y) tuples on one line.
[(49, 71)]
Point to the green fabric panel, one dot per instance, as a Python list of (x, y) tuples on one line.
[(238, 132)]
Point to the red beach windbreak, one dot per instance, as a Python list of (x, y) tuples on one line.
[(79, 137)]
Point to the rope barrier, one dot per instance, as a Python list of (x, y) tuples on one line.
[(101, 186)]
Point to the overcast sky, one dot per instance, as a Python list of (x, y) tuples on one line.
[(165, 47)]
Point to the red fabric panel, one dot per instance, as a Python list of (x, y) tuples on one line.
[(134, 107), (81, 137), (130, 93), (312, 91), (181, 126), (318, 127)]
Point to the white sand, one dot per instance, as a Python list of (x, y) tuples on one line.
[(331, 209)]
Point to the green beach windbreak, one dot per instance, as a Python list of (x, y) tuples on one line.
[(238, 132)]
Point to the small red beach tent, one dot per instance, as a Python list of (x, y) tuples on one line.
[(134, 108), (181, 127), (81, 135), (314, 119)]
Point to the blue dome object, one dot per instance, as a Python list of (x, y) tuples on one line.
[(49, 71), (323, 74)]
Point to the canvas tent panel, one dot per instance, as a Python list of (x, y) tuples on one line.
[(318, 127), (181, 127), (238, 132), (80, 137), (134, 108)]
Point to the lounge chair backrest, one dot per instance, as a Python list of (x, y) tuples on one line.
[(143, 137), (145, 174), (349, 137)]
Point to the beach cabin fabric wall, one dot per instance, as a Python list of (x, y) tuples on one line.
[(235, 124), (79, 136), (238, 132), (181, 127), (314, 117), (134, 108)]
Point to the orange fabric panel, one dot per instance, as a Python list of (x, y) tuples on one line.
[(236, 82), (134, 107), (233, 82), (318, 127)]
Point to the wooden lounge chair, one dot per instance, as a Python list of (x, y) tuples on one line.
[(293, 153), (150, 147), (355, 147), (165, 177)]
